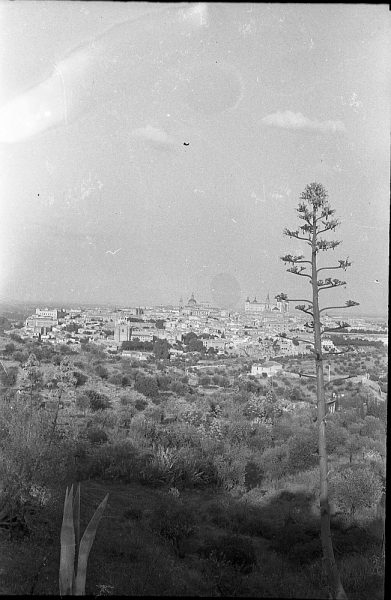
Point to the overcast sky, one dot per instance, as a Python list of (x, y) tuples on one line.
[(146, 149)]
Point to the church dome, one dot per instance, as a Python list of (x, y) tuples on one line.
[(192, 300)]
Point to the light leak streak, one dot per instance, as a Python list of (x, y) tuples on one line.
[(79, 81)]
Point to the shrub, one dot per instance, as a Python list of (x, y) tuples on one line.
[(81, 378), (96, 436), (119, 461), (179, 388), (233, 549), (97, 401), (140, 404), (303, 451), (115, 379), (275, 462), (8, 377), (34, 455), (9, 348), (253, 475), (147, 386), (174, 522), (101, 371), (82, 402), (125, 381), (231, 470), (299, 544)]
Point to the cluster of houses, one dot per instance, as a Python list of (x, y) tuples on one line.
[(259, 334)]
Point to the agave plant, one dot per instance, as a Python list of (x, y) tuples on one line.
[(73, 583)]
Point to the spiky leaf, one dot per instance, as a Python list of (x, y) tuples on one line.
[(85, 547), (67, 555)]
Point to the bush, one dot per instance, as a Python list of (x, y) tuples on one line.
[(9, 348), (101, 371), (116, 379), (147, 386), (8, 377), (34, 457), (299, 544), (119, 461), (303, 451), (96, 436), (233, 549), (140, 404), (81, 378), (97, 401), (174, 522), (275, 462)]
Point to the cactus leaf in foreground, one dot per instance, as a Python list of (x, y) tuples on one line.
[(71, 583), (85, 547), (67, 556)]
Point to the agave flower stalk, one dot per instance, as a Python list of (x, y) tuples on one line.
[(71, 582)]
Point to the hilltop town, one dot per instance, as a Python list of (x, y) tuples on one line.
[(262, 330)]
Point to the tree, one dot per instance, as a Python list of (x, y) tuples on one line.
[(161, 349), (355, 487), (9, 348), (147, 386), (317, 215)]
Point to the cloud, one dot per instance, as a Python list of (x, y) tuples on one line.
[(154, 135), (291, 120)]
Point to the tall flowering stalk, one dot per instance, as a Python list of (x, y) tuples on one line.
[(317, 217)]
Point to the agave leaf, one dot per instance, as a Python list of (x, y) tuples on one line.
[(85, 547), (76, 521), (67, 556)]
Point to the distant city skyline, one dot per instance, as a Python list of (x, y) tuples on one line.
[(149, 149)]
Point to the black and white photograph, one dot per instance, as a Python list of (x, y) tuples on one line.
[(194, 273)]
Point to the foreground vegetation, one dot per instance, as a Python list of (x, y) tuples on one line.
[(213, 486)]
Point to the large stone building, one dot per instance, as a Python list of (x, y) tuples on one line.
[(122, 332), (198, 309), (256, 307), (40, 325), (268, 368)]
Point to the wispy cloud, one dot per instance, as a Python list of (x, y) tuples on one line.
[(291, 120), (155, 135)]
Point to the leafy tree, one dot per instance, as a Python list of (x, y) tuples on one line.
[(303, 450), (163, 382), (355, 487), (317, 217), (16, 338), (196, 345), (147, 386), (5, 324), (9, 348), (188, 337), (19, 356), (8, 376), (161, 349)]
